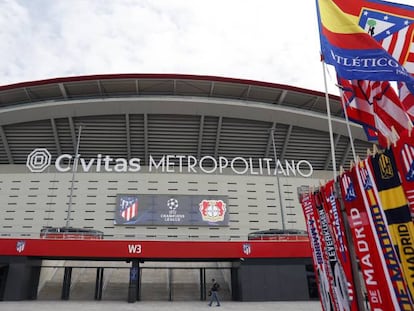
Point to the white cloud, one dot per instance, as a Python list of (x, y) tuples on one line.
[(267, 40)]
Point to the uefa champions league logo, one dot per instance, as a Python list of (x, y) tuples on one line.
[(172, 204), (38, 160), (172, 215)]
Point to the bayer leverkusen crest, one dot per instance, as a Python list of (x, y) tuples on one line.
[(212, 210)]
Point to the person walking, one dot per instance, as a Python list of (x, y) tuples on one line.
[(213, 293)]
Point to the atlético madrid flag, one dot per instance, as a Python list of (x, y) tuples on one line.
[(351, 49), (403, 151), (390, 24)]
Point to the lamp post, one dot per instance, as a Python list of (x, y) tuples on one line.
[(74, 169), (277, 179)]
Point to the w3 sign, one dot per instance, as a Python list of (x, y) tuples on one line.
[(134, 248)]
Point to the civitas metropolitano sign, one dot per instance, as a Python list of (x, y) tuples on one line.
[(40, 159)]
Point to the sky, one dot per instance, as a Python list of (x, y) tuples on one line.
[(273, 41)]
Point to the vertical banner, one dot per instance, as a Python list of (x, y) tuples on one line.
[(322, 278), (403, 151), (394, 203), (379, 290), (334, 270), (379, 226), (343, 269)]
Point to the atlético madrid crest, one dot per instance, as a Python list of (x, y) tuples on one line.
[(212, 210), (247, 249), (20, 246)]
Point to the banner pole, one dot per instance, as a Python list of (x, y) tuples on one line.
[(354, 264), (328, 111), (351, 139)]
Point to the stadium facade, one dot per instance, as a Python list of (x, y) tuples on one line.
[(169, 168)]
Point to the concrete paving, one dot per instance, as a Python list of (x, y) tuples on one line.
[(37, 305)]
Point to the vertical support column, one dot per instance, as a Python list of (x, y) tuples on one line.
[(170, 284), (133, 288), (67, 277), (99, 283), (33, 282), (234, 273), (202, 284), (3, 280)]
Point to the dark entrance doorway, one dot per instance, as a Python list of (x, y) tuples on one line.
[(3, 278), (156, 281)]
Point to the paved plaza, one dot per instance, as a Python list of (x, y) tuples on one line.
[(36, 305)]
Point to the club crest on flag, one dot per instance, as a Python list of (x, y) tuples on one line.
[(366, 180), (20, 245), (247, 249), (407, 153), (386, 167), (349, 188), (381, 25)]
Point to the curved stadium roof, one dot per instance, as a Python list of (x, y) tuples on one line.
[(135, 115)]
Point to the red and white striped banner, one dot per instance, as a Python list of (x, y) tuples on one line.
[(320, 264), (343, 270)]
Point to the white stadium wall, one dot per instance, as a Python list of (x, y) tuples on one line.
[(31, 201)]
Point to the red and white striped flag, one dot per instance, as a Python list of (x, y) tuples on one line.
[(376, 105), (403, 151), (400, 45), (407, 98)]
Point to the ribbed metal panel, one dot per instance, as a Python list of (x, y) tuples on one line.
[(173, 134), (3, 154), (65, 136), (209, 136), (24, 137), (136, 128), (243, 138), (308, 144), (103, 134)]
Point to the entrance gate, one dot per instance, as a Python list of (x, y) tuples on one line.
[(157, 283)]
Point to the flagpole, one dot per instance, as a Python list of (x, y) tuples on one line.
[(272, 130), (328, 111), (351, 139), (348, 234)]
